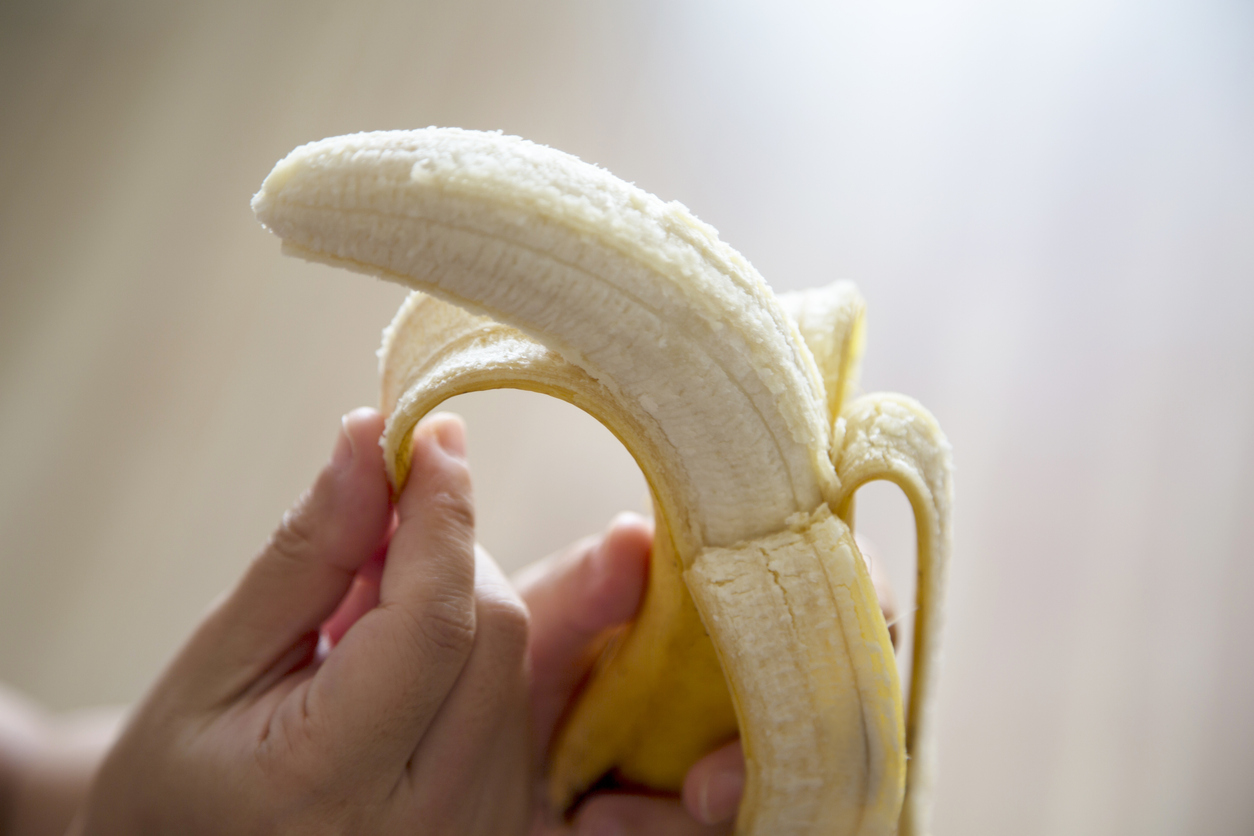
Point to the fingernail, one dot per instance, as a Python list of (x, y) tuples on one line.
[(450, 432), (720, 797), (623, 519), (344, 452)]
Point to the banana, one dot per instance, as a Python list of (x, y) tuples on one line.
[(534, 270)]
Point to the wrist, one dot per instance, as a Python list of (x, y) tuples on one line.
[(23, 732), (47, 765)]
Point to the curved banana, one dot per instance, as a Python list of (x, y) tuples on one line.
[(542, 272)]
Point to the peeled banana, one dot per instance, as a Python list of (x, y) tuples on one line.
[(537, 271)]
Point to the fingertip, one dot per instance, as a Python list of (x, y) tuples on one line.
[(356, 475), (435, 515), (345, 450), (884, 593), (439, 471), (363, 424), (574, 598), (357, 452), (715, 784), (630, 533), (344, 514), (625, 549), (621, 569), (449, 431)]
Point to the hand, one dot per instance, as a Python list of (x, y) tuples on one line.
[(410, 717), (576, 598), (47, 763)]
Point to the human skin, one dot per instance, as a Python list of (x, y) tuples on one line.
[(373, 671)]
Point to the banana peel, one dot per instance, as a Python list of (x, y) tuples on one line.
[(534, 270)]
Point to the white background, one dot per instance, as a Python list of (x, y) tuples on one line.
[(1048, 205)]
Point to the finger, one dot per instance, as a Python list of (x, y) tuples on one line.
[(477, 746), (362, 597), (573, 598), (378, 691), (638, 815), (883, 588), (714, 785), (301, 575)]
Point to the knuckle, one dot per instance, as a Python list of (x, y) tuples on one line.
[(507, 624), (295, 537), (450, 628), (455, 509), (447, 523), (445, 627)]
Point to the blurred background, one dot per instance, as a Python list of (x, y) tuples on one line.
[(1049, 207)]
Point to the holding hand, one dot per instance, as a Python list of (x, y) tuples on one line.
[(414, 722), (371, 673), (575, 598)]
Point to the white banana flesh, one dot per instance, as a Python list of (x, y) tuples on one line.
[(546, 273), (636, 292)]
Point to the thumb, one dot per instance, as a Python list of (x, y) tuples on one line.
[(274, 612), (379, 689)]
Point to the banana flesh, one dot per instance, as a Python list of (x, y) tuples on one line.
[(635, 292), (541, 272), (667, 657)]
